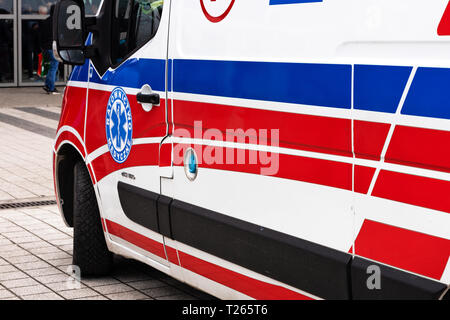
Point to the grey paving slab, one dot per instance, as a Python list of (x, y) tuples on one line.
[(17, 283), (177, 297), (6, 294), (43, 296), (54, 255), (65, 285), (7, 268), (78, 293), (162, 291), (132, 295), (93, 298), (32, 265), (44, 272), (30, 97), (43, 250), (146, 284), (12, 275), (30, 290), (4, 241), (23, 259), (99, 281), (60, 277), (35, 245), (113, 288), (124, 277), (17, 252), (61, 262)]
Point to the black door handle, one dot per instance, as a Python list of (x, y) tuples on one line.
[(152, 98)]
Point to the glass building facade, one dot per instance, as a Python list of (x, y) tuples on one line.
[(21, 62)]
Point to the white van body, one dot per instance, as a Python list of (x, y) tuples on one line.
[(340, 110)]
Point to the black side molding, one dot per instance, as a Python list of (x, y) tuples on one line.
[(139, 205), (146, 208), (311, 267), (394, 284)]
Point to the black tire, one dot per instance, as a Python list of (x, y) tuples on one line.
[(90, 252)]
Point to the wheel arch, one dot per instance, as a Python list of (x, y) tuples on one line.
[(65, 159)]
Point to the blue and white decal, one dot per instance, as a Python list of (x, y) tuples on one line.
[(119, 125)]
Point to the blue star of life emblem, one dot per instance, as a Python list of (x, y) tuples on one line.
[(119, 125)]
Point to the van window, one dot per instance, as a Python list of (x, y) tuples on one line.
[(135, 22)]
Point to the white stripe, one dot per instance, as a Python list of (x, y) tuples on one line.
[(104, 149), (77, 84), (69, 129), (72, 144), (97, 153), (323, 156), (446, 275), (150, 140), (106, 87), (392, 128)]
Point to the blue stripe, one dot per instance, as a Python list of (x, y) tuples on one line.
[(169, 75), (379, 88), (134, 73), (326, 85), (275, 2), (80, 73), (429, 95)]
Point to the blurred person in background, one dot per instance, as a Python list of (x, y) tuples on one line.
[(46, 40)]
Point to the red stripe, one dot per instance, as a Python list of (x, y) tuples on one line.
[(444, 24), (370, 138), (418, 147), (249, 286), (137, 239), (145, 124), (103, 225), (73, 109), (140, 155), (318, 171), (172, 255), (363, 178), (69, 136), (165, 158), (405, 249), (415, 190), (297, 131)]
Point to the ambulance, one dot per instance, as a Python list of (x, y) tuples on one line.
[(260, 149)]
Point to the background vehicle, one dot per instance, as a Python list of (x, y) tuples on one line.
[(358, 207)]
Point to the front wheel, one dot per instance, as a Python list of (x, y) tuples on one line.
[(90, 252)]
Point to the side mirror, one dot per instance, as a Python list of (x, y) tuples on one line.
[(69, 32)]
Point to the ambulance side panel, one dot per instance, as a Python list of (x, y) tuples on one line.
[(347, 84)]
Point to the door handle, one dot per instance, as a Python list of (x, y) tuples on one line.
[(151, 98), (147, 98)]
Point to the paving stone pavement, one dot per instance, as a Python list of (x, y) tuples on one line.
[(36, 259), (35, 244), (26, 152)]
